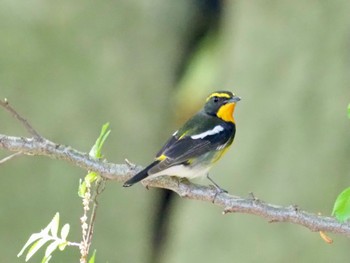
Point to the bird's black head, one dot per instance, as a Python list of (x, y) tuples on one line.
[(221, 104)]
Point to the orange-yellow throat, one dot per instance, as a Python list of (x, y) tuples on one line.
[(226, 112)]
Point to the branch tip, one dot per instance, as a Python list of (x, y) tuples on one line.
[(130, 164), (326, 238), (10, 157)]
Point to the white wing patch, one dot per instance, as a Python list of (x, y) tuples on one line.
[(217, 129)]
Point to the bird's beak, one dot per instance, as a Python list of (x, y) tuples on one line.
[(233, 99)]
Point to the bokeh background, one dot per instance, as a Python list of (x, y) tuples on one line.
[(144, 66)]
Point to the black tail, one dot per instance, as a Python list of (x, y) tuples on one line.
[(139, 176)]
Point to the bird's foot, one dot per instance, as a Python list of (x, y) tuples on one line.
[(218, 191), (180, 180)]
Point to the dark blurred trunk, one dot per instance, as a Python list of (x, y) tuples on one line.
[(205, 19)]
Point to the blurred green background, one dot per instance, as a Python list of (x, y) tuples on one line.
[(144, 66)]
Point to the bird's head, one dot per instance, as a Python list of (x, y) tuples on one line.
[(221, 104)]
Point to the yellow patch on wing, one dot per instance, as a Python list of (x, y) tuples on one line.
[(161, 157), (226, 112), (190, 161), (183, 135), (218, 94)]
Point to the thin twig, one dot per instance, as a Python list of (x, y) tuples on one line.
[(10, 157), (91, 225), (74, 244), (91, 194), (130, 164), (100, 186), (6, 105), (84, 248), (44, 147)]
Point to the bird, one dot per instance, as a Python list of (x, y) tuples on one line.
[(193, 149)]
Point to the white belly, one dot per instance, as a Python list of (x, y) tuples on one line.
[(184, 171)]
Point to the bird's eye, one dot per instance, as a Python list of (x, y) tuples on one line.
[(216, 99)]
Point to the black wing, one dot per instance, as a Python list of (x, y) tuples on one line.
[(168, 144), (179, 151)]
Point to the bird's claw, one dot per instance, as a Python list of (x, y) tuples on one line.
[(218, 191)]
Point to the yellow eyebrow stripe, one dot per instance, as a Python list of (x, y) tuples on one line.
[(221, 95)]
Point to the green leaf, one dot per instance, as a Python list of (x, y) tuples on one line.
[(32, 238), (91, 177), (46, 259), (65, 231), (54, 224), (341, 208), (36, 246), (92, 259), (88, 180), (97, 148), (96, 152), (37, 240), (82, 188), (63, 245), (349, 111), (50, 249)]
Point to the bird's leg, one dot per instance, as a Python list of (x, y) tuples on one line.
[(180, 180), (219, 190)]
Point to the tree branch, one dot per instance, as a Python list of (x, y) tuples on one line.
[(121, 172), (6, 105), (10, 157), (39, 145)]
